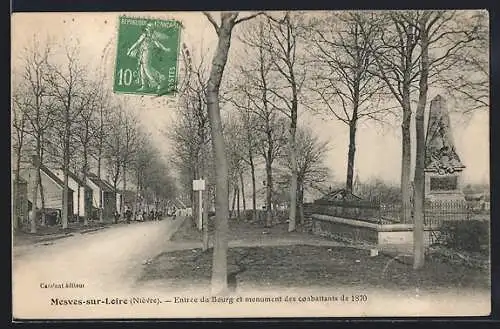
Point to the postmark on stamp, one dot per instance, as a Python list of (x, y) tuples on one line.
[(146, 57)]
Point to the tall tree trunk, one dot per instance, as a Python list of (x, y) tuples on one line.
[(78, 195), (269, 192), (122, 204), (219, 266), (419, 181), (42, 200), (406, 162), (136, 206), (293, 180), (99, 164), (194, 198), (237, 201), (231, 215), (34, 191), (351, 152), (300, 201), (205, 201), (206, 206), (243, 193), (65, 203), (65, 210), (17, 206), (84, 180), (116, 175), (254, 189)]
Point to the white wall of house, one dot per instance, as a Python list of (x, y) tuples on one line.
[(118, 200), (52, 190), (78, 198), (96, 192)]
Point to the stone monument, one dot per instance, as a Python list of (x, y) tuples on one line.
[(443, 167)]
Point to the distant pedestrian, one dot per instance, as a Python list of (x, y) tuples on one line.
[(128, 214), (116, 216)]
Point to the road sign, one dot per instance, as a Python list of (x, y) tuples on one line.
[(198, 185), (146, 56)]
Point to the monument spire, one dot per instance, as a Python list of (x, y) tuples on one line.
[(440, 154), (442, 164)]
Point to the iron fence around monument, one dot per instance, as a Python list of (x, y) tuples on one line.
[(362, 210), (435, 212)]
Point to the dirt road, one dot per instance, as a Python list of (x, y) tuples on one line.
[(102, 262)]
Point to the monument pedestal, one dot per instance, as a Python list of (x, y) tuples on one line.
[(443, 186)]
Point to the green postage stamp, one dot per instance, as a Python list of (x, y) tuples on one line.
[(146, 57)]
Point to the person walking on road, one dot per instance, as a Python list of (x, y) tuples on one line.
[(116, 216), (128, 214)]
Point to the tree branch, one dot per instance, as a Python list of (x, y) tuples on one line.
[(212, 21), (246, 18)]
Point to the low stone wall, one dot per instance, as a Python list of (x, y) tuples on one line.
[(363, 232), (347, 229)]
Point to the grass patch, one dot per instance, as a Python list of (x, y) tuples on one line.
[(309, 266), (239, 230)]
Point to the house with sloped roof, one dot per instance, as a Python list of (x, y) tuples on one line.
[(53, 188), (103, 196), (82, 198)]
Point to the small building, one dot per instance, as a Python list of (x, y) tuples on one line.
[(103, 196), (82, 198), (53, 189), (340, 195)]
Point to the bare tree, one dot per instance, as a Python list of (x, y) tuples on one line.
[(114, 145), (151, 175), (130, 135), (100, 125), (84, 137), (396, 56), (140, 163), (224, 29), (255, 96), (415, 52), (19, 123), (312, 173), (288, 60), (234, 141), (444, 37), (251, 153), (67, 87), (39, 110), (342, 58), (191, 134)]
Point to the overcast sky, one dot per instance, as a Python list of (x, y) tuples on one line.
[(378, 150)]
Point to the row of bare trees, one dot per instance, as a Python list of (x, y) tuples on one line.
[(255, 136), (65, 118), (354, 65)]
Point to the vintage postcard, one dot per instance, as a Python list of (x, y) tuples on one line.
[(250, 164)]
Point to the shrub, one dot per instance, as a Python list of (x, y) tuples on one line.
[(466, 235)]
